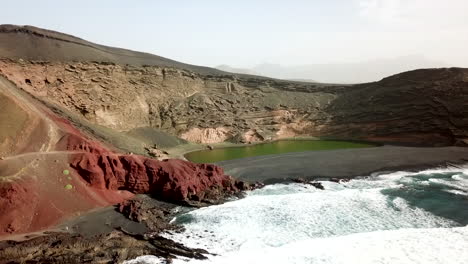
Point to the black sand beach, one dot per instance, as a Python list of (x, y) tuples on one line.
[(345, 163)]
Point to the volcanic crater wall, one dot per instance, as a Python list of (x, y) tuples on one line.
[(127, 90), (199, 108), (425, 106)]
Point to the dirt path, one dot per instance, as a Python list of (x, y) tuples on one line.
[(25, 155), (25, 102)]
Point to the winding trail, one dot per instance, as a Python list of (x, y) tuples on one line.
[(40, 153), (28, 104)]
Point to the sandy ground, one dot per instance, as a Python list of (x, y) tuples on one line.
[(101, 221), (344, 163), (179, 151)]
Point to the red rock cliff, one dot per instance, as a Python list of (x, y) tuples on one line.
[(171, 180)]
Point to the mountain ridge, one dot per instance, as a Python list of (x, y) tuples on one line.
[(114, 55), (203, 107)]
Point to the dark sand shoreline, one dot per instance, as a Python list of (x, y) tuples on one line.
[(343, 163), (111, 232)]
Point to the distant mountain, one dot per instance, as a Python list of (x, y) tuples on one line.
[(302, 80), (228, 68), (367, 71)]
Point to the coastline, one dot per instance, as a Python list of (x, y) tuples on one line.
[(99, 158), (343, 163), (139, 224)]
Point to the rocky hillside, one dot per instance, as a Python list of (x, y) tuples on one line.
[(139, 95), (50, 170)]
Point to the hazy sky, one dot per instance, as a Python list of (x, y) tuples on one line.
[(244, 33)]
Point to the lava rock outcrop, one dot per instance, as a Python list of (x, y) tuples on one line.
[(170, 180)]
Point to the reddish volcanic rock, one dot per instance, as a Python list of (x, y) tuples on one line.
[(17, 203), (39, 188), (172, 180), (100, 177)]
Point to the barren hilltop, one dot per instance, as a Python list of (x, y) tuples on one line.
[(78, 122), (136, 92), (32, 43)]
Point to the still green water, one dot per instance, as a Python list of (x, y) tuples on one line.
[(276, 147)]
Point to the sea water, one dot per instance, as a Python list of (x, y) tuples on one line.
[(399, 217)]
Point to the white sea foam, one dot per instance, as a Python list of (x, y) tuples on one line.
[(457, 192), (148, 259), (354, 222), (425, 246)]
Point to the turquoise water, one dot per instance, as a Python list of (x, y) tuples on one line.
[(399, 217), (276, 147)]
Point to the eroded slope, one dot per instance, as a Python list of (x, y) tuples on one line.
[(51, 171), (141, 95), (420, 107)]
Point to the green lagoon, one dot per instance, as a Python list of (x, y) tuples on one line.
[(276, 147)]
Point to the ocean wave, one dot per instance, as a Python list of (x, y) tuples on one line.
[(423, 245), (386, 218), (427, 246)]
